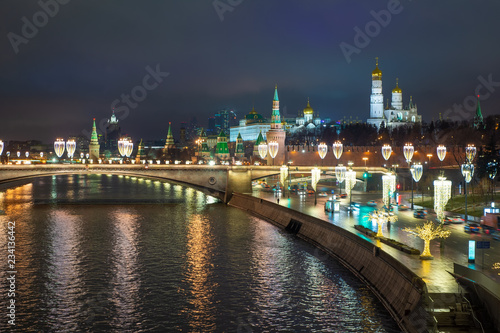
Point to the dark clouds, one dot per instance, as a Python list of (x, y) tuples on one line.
[(92, 52)]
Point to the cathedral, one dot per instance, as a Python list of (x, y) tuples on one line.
[(392, 115)]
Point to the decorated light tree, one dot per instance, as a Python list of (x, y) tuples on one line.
[(386, 152), (273, 149), (338, 148), (315, 176), (340, 171), (350, 181), (442, 193), (263, 150), (388, 187), (322, 150), (381, 218), (427, 232), (59, 146), (283, 175)]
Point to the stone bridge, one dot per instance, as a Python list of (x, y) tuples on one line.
[(219, 181)]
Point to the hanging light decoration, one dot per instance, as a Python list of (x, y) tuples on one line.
[(315, 176), (408, 152), (129, 147), (273, 148), (388, 187), (1, 147), (322, 150), (41, 154), (470, 153), (27, 154), (122, 146), (59, 147), (263, 150), (386, 152), (71, 147), (492, 168), (283, 174), (467, 171), (338, 148), (340, 171), (442, 193), (441, 152), (350, 181), (416, 171)]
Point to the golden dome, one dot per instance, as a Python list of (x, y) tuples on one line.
[(308, 109), (397, 89), (377, 73)]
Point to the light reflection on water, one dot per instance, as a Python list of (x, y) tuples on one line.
[(195, 266)]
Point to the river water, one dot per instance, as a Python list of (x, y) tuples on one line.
[(101, 253)]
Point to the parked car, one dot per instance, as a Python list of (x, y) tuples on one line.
[(301, 192), (371, 203), (454, 219), (322, 194), (472, 227), (420, 213), (310, 191), (343, 195)]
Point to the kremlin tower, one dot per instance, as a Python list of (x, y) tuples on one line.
[(94, 145), (276, 133), (376, 98)]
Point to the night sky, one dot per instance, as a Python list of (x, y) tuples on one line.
[(80, 61)]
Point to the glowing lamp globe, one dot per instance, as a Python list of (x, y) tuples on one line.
[(470, 153), (71, 147), (1, 147), (122, 146), (129, 147), (386, 152), (41, 154), (408, 151), (273, 148), (322, 150), (81, 155), (340, 171), (18, 154), (441, 152), (263, 150), (416, 171), (59, 147), (338, 148), (467, 171)]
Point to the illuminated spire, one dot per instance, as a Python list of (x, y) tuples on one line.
[(276, 93), (275, 116), (478, 118), (169, 143), (260, 139), (93, 138)]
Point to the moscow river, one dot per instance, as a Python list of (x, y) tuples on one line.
[(101, 253)]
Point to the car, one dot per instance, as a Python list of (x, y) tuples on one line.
[(371, 203), (322, 194), (472, 227), (455, 219), (301, 192), (355, 204), (403, 207), (343, 195), (420, 213), (389, 209), (310, 191)]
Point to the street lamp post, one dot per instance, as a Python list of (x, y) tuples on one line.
[(350, 181), (338, 149), (289, 178), (283, 175), (365, 159), (416, 173), (315, 176), (467, 171), (340, 171), (408, 151)]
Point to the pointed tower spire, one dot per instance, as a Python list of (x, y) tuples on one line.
[(94, 143), (478, 118), (275, 116), (169, 143), (276, 93)]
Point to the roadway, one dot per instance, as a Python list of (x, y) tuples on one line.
[(433, 272)]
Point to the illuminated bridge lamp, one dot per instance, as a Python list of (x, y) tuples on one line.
[(18, 154), (121, 146), (59, 146), (386, 152), (71, 147), (408, 151), (1, 147), (442, 193), (315, 176), (340, 171), (470, 153), (338, 149), (41, 154), (129, 147), (441, 152), (27, 154), (388, 187), (263, 150), (81, 155), (273, 149), (322, 150)]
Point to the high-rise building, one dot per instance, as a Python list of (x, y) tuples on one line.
[(112, 135)]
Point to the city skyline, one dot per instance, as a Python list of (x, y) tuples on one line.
[(196, 59)]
